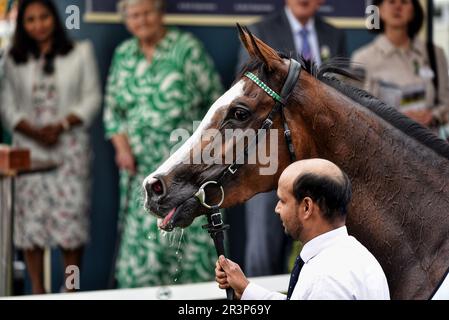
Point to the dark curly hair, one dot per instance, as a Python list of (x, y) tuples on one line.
[(23, 45)]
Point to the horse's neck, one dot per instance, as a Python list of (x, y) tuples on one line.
[(374, 152), (401, 198)]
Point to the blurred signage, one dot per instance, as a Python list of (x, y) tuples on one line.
[(219, 12)]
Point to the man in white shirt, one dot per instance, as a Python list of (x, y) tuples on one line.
[(313, 199)]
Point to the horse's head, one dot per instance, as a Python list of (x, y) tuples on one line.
[(216, 151)]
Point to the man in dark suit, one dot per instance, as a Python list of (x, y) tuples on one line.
[(295, 30)]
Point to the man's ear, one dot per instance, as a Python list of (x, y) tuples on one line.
[(308, 207)]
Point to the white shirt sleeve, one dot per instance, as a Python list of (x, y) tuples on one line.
[(10, 112), (255, 292), (328, 288)]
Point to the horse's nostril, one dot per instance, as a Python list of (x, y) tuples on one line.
[(157, 187)]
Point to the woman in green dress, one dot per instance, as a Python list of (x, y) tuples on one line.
[(160, 80)]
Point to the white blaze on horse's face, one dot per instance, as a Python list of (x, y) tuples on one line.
[(184, 152)]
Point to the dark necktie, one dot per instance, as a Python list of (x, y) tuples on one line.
[(306, 51), (299, 263)]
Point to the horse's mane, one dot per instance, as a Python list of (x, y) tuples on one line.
[(325, 73), (381, 109)]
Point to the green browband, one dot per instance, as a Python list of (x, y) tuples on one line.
[(264, 87)]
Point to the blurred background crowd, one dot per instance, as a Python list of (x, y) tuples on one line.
[(102, 101)]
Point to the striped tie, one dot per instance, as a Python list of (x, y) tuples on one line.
[(299, 263)]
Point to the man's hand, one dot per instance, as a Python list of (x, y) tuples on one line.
[(229, 275)]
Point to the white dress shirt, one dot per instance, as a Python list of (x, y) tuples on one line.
[(336, 266), (312, 36)]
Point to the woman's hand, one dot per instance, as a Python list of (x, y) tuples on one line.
[(49, 135), (124, 157), (125, 161)]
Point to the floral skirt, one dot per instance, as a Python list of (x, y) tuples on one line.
[(51, 208)]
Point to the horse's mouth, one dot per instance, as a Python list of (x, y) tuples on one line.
[(181, 216), (166, 224)]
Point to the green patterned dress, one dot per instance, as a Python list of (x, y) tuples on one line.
[(147, 101)]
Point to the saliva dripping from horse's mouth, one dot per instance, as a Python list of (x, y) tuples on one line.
[(164, 222), (180, 216)]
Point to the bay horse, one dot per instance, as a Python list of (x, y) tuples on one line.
[(399, 169)]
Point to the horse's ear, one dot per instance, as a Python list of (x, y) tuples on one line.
[(258, 49), (246, 41)]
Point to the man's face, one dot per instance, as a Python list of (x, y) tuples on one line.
[(304, 9), (288, 210)]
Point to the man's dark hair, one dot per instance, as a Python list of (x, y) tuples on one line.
[(23, 46), (413, 27), (331, 195)]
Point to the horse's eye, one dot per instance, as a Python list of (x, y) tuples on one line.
[(241, 114)]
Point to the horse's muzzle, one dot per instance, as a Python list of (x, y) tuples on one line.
[(155, 189)]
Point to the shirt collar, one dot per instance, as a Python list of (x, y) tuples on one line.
[(296, 25), (388, 48), (136, 50), (321, 242)]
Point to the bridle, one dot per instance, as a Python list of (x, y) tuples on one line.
[(215, 225), (294, 72)]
